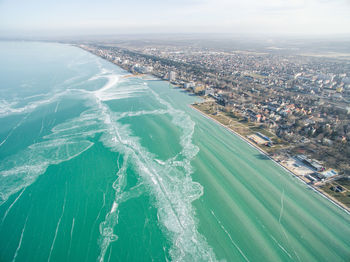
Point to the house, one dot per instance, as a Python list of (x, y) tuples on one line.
[(315, 165), (209, 91), (337, 189), (329, 173)]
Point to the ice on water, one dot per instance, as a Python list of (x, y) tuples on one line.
[(168, 181)]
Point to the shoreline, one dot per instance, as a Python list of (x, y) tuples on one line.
[(316, 190)]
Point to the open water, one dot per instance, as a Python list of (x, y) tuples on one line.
[(97, 167)]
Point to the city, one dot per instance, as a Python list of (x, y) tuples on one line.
[(299, 102), (184, 131)]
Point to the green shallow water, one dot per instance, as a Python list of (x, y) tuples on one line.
[(96, 167)]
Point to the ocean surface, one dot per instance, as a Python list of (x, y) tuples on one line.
[(98, 167)]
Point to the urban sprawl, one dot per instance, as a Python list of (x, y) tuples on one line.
[(294, 107)]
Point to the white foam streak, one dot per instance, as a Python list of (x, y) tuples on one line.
[(14, 202), (13, 129), (56, 108), (281, 211), (9, 108), (141, 113), (58, 225), (66, 141), (227, 233), (72, 229), (20, 241), (112, 81), (111, 219), (280, 246), (112, 92), (42, 127), (9, 134), (71, 237), (170, 182), (109, 256), (282, 229), (22, 169)]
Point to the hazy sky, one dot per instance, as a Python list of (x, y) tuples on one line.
[(178, 16)]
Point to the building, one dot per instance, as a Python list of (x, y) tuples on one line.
[(329, 173), (209, 91), (172, 76), (189, 85), (143, 69), (315, 165)]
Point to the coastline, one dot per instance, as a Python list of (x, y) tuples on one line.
[(213, 192), (316, 190)]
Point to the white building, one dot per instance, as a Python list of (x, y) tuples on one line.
[(172, 76), (209, 91), (143, 69), (189, 85)]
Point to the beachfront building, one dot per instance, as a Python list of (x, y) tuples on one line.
[(190, 85), (315, 165), (143, 69), (172, 76)]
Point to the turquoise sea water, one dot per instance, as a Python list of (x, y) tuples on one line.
[(94, 166)]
